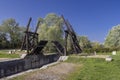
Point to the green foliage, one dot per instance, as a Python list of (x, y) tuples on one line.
[(95, 69), (51, 29), (43, 29), (53, 19), (96, 45), (3, 41), (84, 42), (113, 37), (100, 50), (11, 34)]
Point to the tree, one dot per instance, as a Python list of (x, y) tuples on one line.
[(113, 37), (53, 19), (12, 31), (3, 41), (84, 42), (96, 45), (42, 30), (51, 29)]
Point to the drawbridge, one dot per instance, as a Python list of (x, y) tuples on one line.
[(35, 57)]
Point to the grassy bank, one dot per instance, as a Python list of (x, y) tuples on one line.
[(95, 69), (4, 54)]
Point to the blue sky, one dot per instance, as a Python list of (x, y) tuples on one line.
[(92, 18)]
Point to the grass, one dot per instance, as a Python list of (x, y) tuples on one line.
[(91, 69), (95, 69), (4, 54), (21, 77)]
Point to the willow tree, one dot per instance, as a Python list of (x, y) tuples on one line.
[(113, 37), (51, 29)]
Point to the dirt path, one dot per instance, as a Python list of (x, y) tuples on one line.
[(57, 72), (96, 56), (7, 59)]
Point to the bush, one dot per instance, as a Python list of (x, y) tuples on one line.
[(100, 50)]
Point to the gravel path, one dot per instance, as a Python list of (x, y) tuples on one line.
[(96, 56), (57, 72), (7, 59)]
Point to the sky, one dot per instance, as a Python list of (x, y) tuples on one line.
[(91, 18)]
